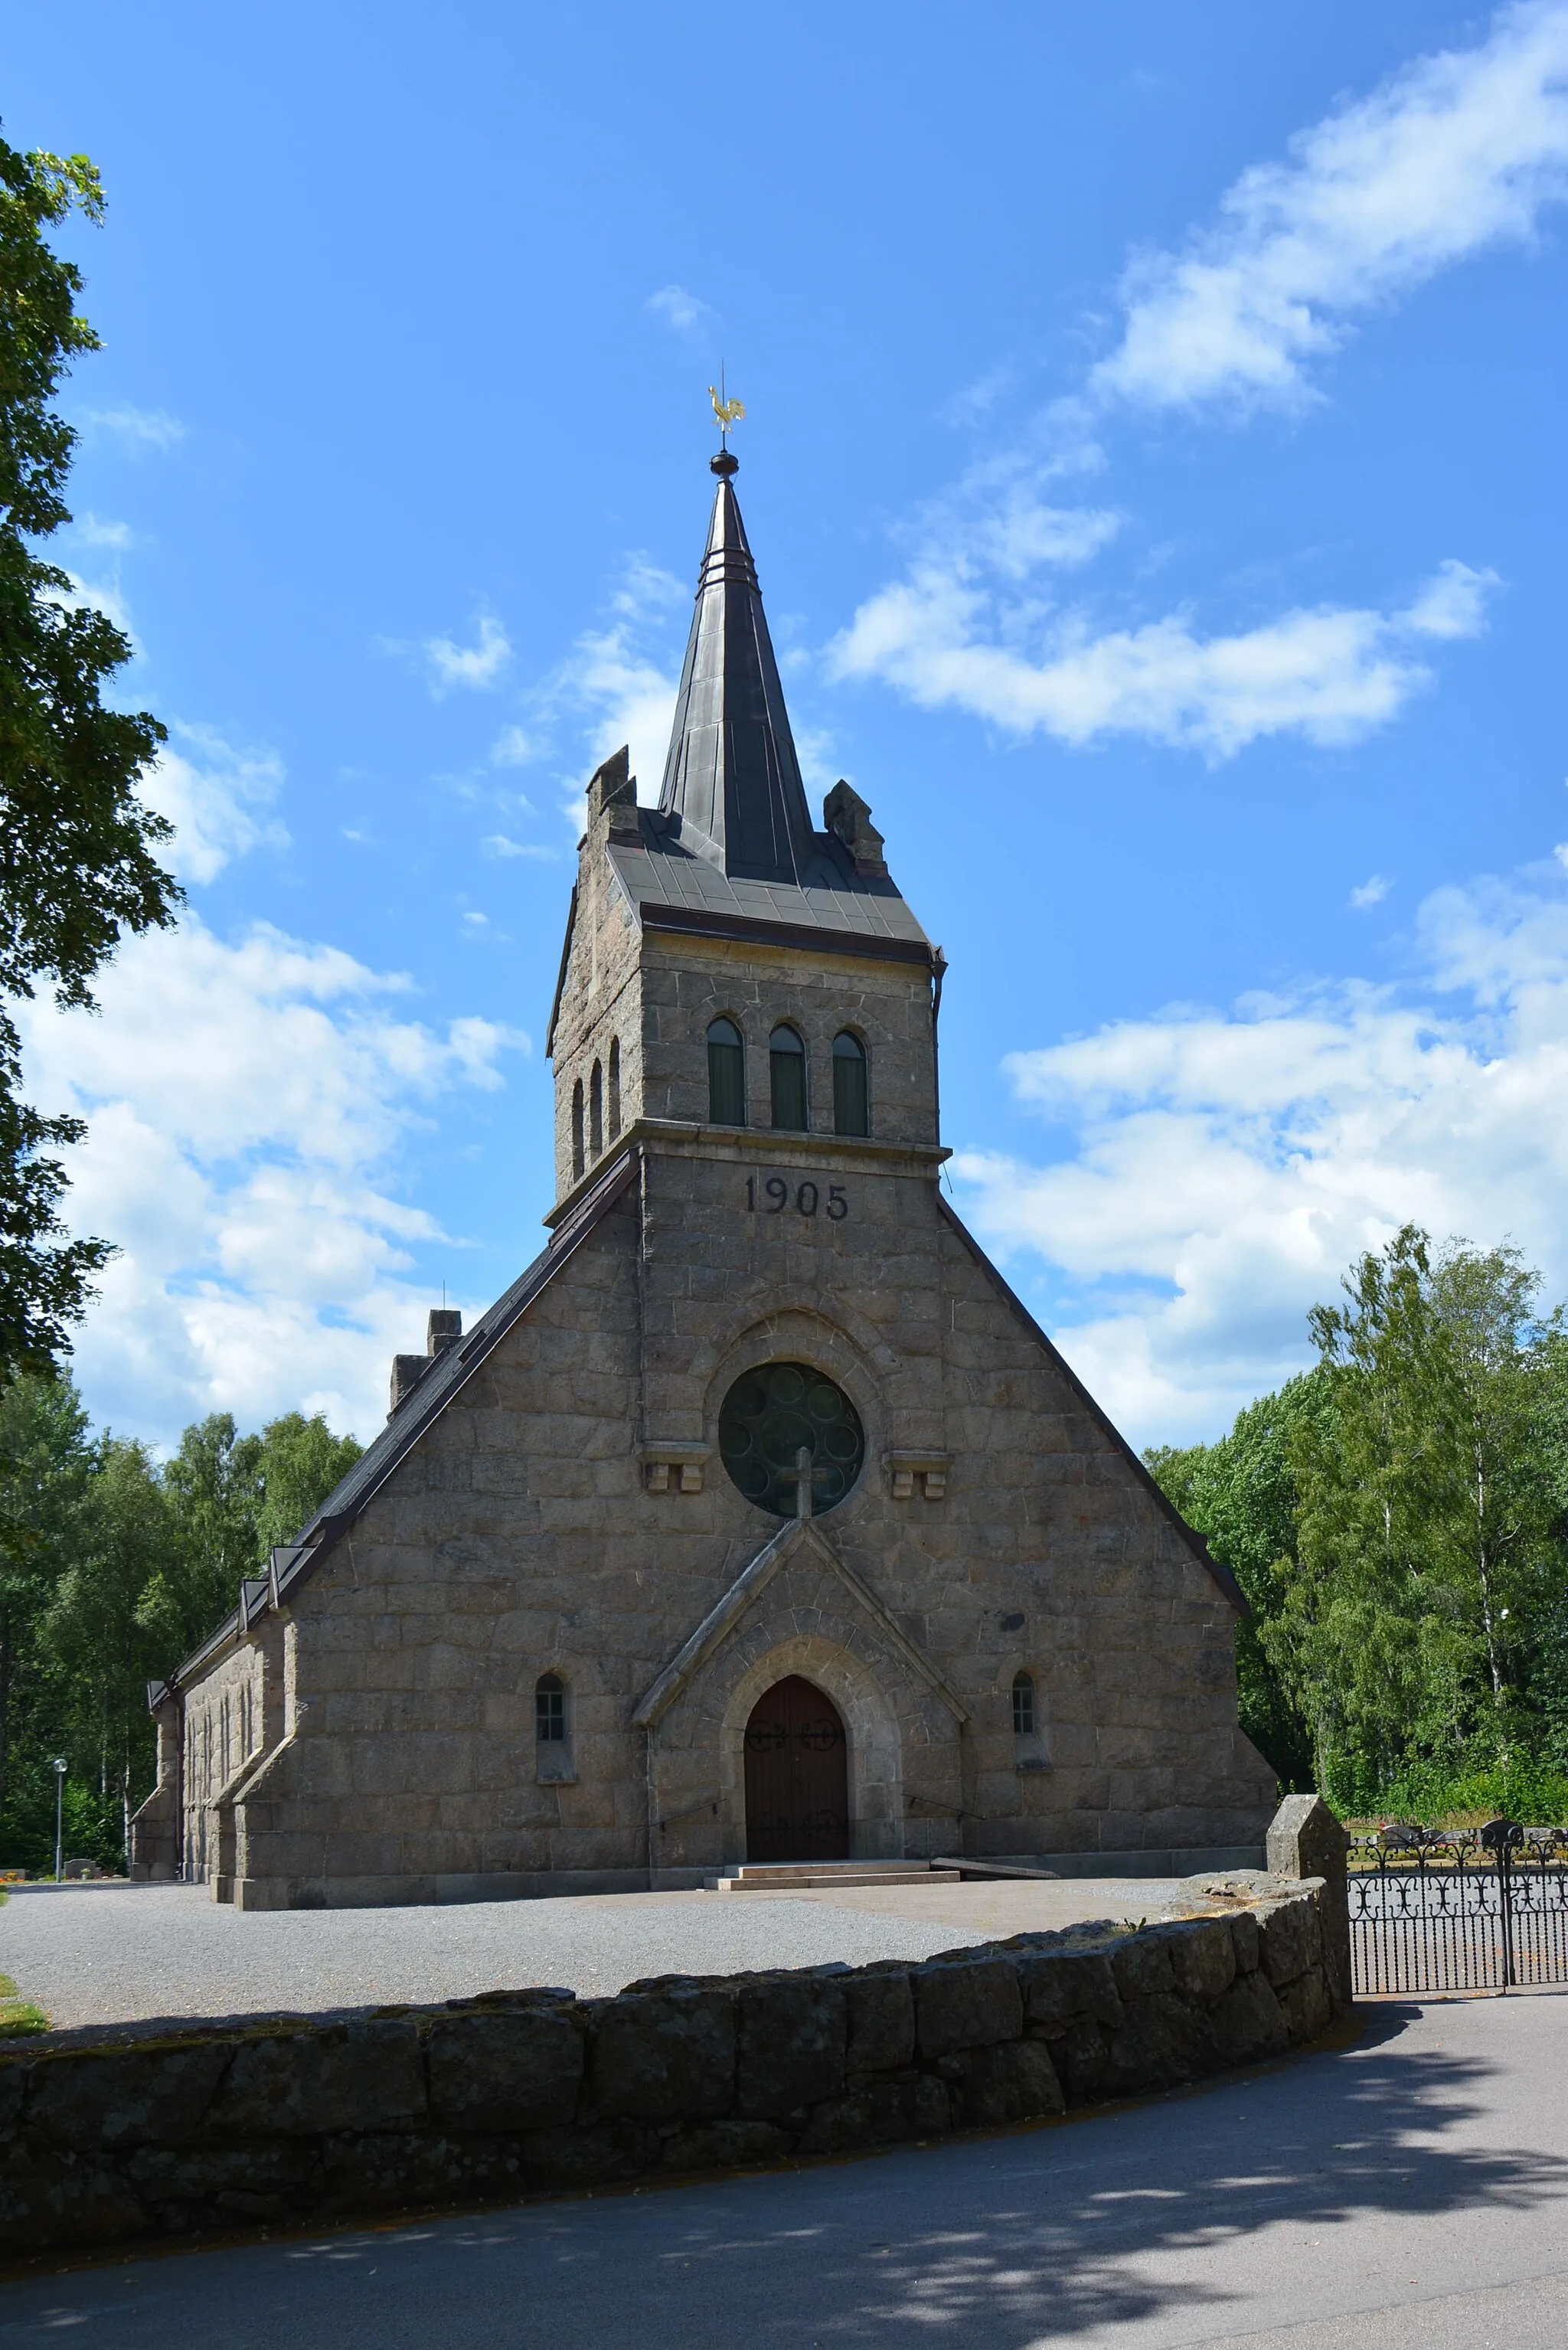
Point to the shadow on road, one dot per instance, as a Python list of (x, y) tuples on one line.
[(1056, 2229), (1192, 2212)]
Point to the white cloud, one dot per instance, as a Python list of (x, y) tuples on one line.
[(498, 843), (617, 682), (218, 799), (476, 666), (1452, 603), (633, 699), (1223, 1168), (246, 1102), (1456, 152), (1370, 892), (137, 427), (677, 309), (976, 401), (1330, 674), (514, 748), (647, 591), (94, 532)]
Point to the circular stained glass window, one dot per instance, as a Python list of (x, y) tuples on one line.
[(768, 1415)]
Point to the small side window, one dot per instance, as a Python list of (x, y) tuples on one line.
[(553, 1762), (614, 1087), (550, 1710), (578, 1130), (1024, 1705), (596, 1111), (849, 1102)]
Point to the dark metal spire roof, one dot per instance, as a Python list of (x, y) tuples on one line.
[(733, 791)]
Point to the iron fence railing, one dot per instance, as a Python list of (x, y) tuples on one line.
[(1439, 1909)]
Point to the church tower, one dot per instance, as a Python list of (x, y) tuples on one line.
[(757, 1520), (730, 974)]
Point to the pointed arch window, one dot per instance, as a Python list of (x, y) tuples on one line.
[(577, 1129), (596, 1111), (614, 1087), (786, 1071), (1024, 1705), (850, 1107), (726, 1074)]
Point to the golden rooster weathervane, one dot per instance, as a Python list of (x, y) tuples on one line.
[(728, 411)]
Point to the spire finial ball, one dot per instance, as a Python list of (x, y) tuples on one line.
[(723, 465)]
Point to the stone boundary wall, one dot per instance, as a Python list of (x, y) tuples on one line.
[(166, 2130)]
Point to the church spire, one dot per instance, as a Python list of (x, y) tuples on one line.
[(732, 780)]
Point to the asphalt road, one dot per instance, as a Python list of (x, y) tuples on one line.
[(1409, 2192)]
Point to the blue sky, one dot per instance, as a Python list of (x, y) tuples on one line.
[(1153, 461)]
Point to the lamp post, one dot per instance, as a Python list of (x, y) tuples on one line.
[(59, 1767)]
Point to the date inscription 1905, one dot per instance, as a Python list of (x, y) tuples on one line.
[(770, 1196)]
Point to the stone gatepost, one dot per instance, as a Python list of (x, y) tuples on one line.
[(1306, 1840)]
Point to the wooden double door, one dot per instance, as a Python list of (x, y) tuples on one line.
[(797, 1776)]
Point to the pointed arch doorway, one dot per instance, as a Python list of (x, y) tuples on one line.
[(797, 1775)]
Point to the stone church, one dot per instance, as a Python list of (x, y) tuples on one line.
[(758, 1519)]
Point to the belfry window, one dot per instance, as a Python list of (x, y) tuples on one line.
[(849, 1102), (726, 1074), (596, 1111), (577, 1129), (786, 1070), (550, 1710), (614, 1087), (1022, 1705)]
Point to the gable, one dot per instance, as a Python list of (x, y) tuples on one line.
[(797, 1535), (1114, 1441)]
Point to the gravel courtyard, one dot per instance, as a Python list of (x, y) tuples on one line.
[(125, 1954)]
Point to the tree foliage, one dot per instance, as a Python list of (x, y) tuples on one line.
[(77, 867), (1241, 1494), (1398, 1520), (113, 1568)]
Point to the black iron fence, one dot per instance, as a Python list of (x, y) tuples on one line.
[(1484, 1909)]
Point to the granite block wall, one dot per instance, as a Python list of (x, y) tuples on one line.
[(110, 2138)]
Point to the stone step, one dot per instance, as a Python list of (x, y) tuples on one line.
[(796, 1874)]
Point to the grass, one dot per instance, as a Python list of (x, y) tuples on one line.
[(18, 2015)]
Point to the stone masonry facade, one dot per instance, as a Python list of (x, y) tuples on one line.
[(549, 1497)]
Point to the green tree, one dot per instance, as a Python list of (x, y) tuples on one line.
[(1426, 1534), (1241, 1494), (101, 1640), (76, 863), (299, 1463), (46, 1463), (212, 1487)]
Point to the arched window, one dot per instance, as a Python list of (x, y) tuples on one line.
[(786, 1070), (726, 1074), (550, 1710), (614, 1087), (1024, 1705), (596, 1112), (849, 1106), (577, 1129)]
